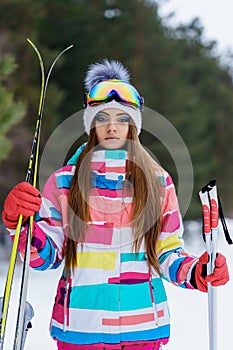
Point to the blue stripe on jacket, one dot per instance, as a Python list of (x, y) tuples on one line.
[(110, 338)]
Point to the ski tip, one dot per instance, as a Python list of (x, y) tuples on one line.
[(32, 44), (69, 47)]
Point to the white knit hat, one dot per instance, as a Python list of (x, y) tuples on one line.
[(108, 70)]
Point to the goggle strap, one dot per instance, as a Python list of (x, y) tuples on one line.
[(85, 99)]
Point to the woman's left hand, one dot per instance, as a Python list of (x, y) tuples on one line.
[(219, 277)]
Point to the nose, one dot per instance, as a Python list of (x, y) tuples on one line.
[(111, 127)]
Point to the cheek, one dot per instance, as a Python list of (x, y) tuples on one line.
[(125, 130), (99, 131)]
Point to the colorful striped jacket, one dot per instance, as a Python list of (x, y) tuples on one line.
[(111, 297)]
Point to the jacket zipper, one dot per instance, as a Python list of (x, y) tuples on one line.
[(153, 304), (65, 321)]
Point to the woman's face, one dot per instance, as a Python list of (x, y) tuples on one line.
[(112, 126)]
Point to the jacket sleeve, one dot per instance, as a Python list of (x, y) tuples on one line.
[(51, 224), (176, 264)]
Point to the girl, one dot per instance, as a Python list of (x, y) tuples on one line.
[(112, 215)]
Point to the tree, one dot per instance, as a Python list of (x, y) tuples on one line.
[(11, 112), (175, 69)]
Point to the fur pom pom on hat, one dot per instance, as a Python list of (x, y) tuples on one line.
[(99, 72), (106, 70)]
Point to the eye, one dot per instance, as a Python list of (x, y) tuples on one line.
[(101, 118), (123, 119)]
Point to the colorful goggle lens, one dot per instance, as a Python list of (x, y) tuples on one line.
[(119, 90)]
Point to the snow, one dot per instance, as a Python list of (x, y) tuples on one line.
[(189, 311)]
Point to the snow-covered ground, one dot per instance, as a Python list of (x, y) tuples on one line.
[(189, 312)]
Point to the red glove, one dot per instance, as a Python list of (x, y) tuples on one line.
[(23, 199), (219, 277)]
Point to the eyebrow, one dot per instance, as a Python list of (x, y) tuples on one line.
[(107, 114)]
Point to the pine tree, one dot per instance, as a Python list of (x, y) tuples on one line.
[(176, 71), (11, 112)]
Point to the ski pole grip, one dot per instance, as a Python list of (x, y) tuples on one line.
[(214, 207), (206, 212)]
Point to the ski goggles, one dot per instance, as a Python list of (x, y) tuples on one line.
[(118, 90)]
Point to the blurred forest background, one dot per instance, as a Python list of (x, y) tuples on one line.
[(176, 70)]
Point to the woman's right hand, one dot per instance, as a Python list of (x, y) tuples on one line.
[(23, 199)]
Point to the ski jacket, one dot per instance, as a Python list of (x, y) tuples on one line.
[(111, 298)]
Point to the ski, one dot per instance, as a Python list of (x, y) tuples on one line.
[(29, 313), (19, 338), (25, 275), (32, 169), (9, 280)]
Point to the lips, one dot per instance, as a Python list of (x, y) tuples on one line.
[(112, 138)]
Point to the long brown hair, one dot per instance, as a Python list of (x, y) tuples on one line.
[(146, 199)]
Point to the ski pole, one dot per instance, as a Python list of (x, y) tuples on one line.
[(25, 276), (209, 200)]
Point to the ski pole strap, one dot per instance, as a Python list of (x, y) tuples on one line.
[(224, 225)]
